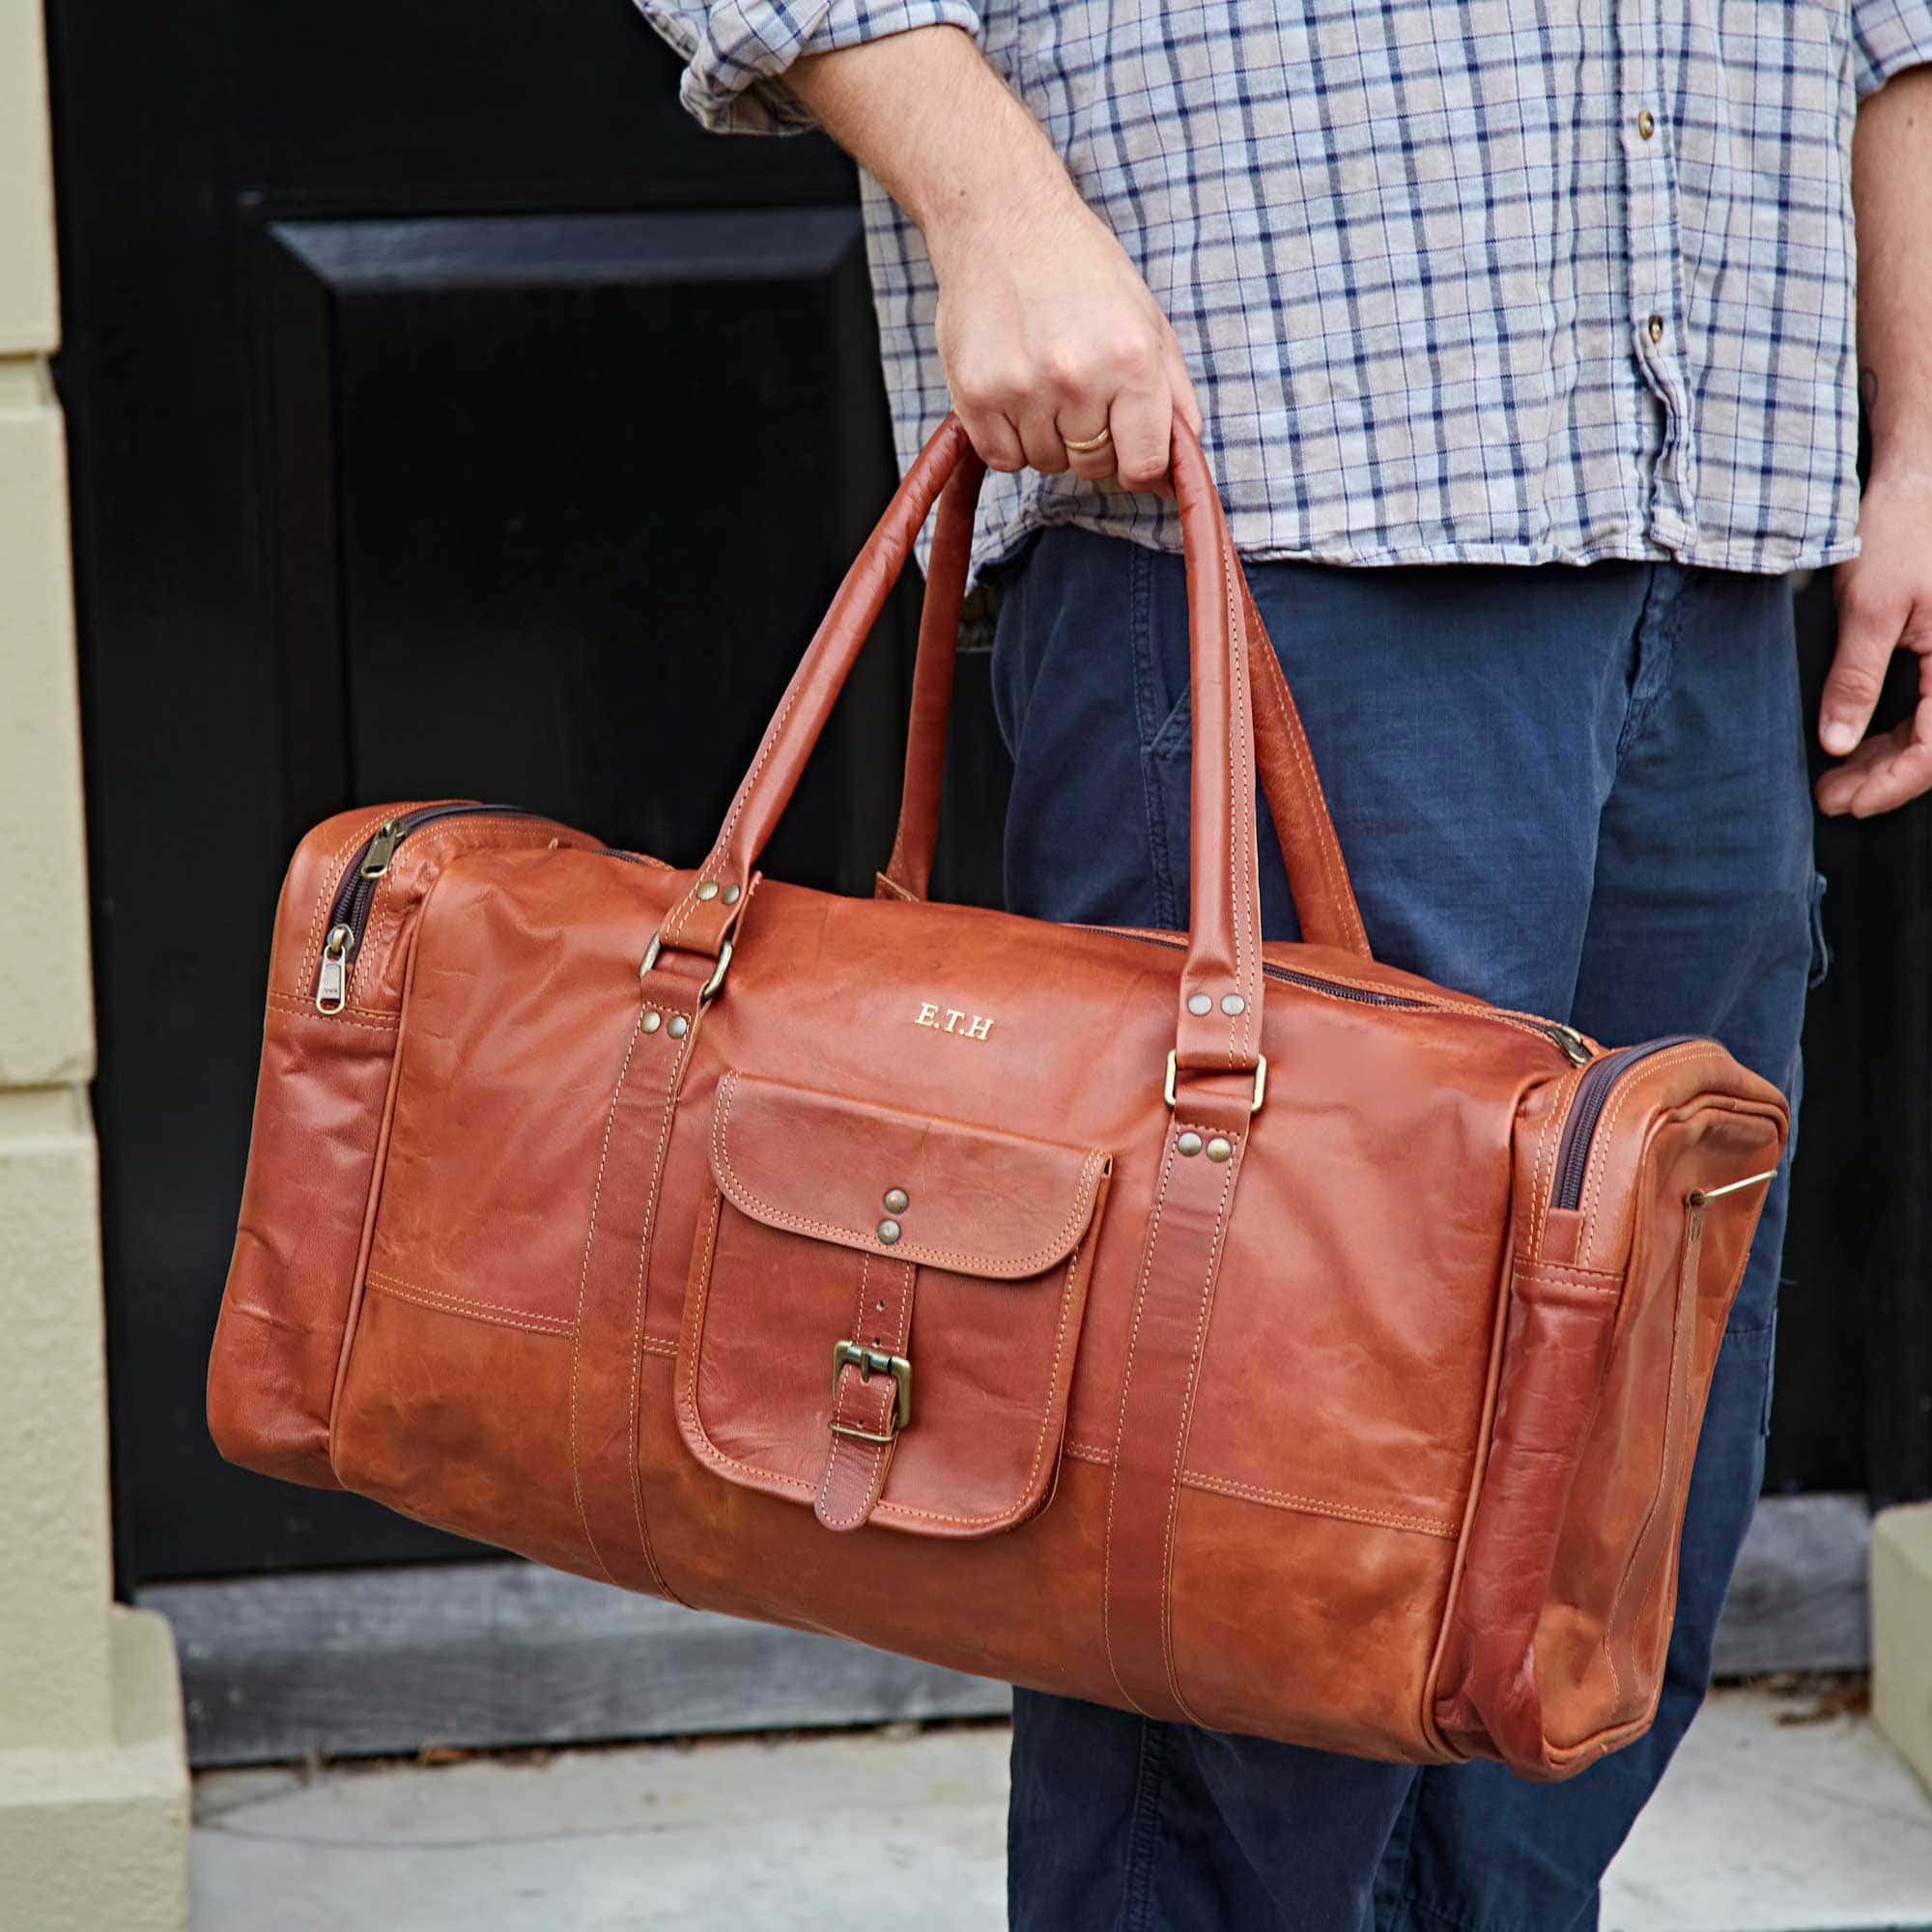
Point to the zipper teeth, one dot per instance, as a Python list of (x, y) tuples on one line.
[(1586, 1109), (349, 908), (354, 893)]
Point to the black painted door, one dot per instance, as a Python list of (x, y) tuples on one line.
[(448, 416)]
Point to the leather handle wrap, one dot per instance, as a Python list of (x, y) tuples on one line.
[(1223, 964)]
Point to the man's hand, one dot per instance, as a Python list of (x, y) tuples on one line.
[(1046, 330), (1885, 595), (1885, 605), (1048, 333)]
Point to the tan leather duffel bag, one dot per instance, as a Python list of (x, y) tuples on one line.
[(1250, 1335)]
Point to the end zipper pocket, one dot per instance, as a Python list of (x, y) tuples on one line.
[(355, 892)]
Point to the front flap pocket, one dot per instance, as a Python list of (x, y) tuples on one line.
[(882, 1309)]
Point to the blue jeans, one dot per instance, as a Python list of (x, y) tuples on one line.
[(1580, 792)]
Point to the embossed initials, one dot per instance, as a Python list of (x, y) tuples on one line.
[(946, 1019)]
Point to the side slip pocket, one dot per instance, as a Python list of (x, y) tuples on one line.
[(883, 1310), (1555, 1650)]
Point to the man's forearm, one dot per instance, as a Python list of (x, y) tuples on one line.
[(1891, 192), (1056, 353), (941, 132)]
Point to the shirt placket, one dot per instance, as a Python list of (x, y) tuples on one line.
[(1655, 297)]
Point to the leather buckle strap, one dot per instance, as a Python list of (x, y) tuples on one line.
[(1179, 1265), (1174, 1072), (712, 988), (870, 1362)]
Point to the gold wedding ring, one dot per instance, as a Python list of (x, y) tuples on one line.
[(1087, 445)]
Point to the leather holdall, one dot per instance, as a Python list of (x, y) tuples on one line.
[(1251, 1335)]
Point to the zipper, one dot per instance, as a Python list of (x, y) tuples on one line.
[(1573, 1045), (1586, 1109), (356, 893)]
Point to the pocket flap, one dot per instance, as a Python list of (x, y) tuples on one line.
[(914, 1377), (983, 1203)]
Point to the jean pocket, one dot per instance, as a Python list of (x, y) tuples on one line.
[(1821, 950), (1163, 701), (1752, 1352)]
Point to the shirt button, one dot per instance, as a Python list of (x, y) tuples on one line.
[(1645, 126), (1655, 328)]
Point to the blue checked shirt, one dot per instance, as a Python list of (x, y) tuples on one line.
[(1459, 280)]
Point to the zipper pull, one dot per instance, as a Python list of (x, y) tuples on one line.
[(332, 986), (1576, 1048), (381, 849)]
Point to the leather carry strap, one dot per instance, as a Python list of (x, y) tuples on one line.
[(1160, 1385), (1218, 1023), (1318, 879), (608, 1332)]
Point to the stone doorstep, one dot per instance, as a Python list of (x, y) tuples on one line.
[(1773, 1820), (94, 1839), (1901, 1592)]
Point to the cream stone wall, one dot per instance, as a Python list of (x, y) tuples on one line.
[(93, 1776)]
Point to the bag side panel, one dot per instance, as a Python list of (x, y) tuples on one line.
[(1554, 1648), (318, 1104), (1606, 1628)]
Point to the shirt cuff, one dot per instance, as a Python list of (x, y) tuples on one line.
[(736, 52), (1889, 35)]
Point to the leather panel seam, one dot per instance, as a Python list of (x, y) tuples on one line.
[(1225, 1485), (498, 1314)]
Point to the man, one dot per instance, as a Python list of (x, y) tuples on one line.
[(1462, 295)]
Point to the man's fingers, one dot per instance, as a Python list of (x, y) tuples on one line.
[(1885, 773), (1868, 632), (1042, 439), (993, 436), (1085, 423), (1141, 421)]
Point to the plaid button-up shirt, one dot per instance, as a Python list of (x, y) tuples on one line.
[(1459, 280)]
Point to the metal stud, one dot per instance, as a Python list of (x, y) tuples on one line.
[(1219, 1149), (888, 1232), (707, 889), (896, 1201), (679, 1026), (1188, 1143), (652, 1021), (733, 894), (1232, 1003), (1200, 1002)]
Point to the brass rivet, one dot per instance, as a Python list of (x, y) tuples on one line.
[(888, 1232), (897, 1202), (1655, 328), (707, 889), (1219, 1149), (679, 1026), (652, 1021), (1232, 1003), (1200, 1002), (1645, 126), (733, 894), (1190, 1144)]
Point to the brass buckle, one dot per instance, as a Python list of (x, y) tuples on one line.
[(870, 1362), (1261, 1080), (710, 989)]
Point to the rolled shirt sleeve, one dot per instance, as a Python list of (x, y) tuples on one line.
[(736, 52), (1889, 35)]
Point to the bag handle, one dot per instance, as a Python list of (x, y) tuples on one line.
[(1318, 877), (1217, 1026)]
